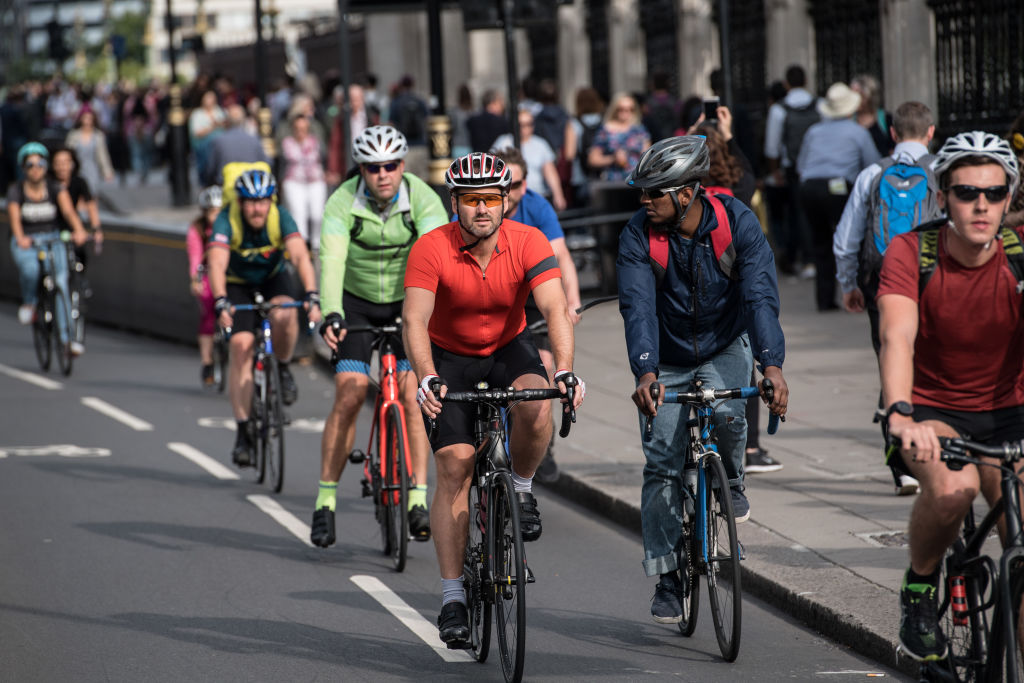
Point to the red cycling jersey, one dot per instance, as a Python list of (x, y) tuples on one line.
[(477, 312), (969, 351)]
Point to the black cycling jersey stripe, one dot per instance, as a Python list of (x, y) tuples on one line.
[(544, 266)]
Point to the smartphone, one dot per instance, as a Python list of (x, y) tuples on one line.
[(711, 105)]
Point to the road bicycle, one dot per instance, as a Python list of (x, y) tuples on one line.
[(495, 572), (267, 412), (981, 597), (708, 545), (387, 468), (52, 325), (77, 289)]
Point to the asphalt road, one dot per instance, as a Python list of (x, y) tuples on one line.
[(133, 551)]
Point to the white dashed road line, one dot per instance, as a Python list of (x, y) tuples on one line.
[(203, 460), (282, 517), (31, 378), (413, 620), (101, 406)]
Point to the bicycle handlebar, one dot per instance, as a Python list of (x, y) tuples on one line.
[(542, 323), (264, 307), (709, 395), (507, 396)]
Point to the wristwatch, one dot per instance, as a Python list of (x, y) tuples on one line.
[(901, 407)]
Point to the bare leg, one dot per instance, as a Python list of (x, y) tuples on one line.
[(531, 428), (206, 349), (419, 445), (240, 374), (340, 427), (449, 513)]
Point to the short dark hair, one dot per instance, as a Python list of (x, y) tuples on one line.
[(511, 155), (912, 120), (777, 91), (796, 77), (660, 81)]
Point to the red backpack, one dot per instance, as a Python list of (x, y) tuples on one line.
[(721, 241)]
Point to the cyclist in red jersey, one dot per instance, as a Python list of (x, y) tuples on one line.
[(476, 273), (952, 358)]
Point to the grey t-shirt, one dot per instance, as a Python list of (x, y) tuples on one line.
[(37, 216)]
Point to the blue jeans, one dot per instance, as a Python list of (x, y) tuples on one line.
[(661, 499), (27, 263)]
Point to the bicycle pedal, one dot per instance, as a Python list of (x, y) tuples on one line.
[(356, 457), (459, 645)]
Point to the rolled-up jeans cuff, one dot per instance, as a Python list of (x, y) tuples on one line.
[(661, 565)]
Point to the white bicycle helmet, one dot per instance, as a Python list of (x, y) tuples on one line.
[(977, 143), (379, 144), (211, 198), (477, 170)]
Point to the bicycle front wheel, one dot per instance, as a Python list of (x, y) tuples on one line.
[(396, 487), (274, 414), (62, 312), (258, 418), (43, 328), (508, 575), (474, 576), (723, 566), (689, 576), (961, 617), (1005, 662)]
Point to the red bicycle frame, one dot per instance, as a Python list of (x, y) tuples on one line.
[(387, 396)]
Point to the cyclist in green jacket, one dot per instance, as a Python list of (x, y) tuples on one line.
[(369, 226)]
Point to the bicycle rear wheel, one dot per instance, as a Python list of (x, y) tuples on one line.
[(966, 632), (43, 328), (475, 577), (723, 568), (508, 576), (274, 412), (396, 487), (689, 576), (62, 311)]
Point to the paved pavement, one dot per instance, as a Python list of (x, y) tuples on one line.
[(826, 539)]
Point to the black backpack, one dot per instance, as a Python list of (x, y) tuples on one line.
[(798, 120)]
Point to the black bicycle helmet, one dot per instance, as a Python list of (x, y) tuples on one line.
[(671, 163)]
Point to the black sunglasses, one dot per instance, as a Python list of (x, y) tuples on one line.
[(658, 194), (517, 184), (374, 169), (968, 193)]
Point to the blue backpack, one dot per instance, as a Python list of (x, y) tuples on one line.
[(902, 197)]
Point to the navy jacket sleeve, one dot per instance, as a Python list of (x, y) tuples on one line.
[(760, 289), (637, 298)]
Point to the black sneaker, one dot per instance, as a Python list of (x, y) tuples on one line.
[(322, 532), (289, 391), (453, 626), (419, 523), (243, 453), (760, 461), (529, 516), (547, 472), (920, 635), (666, 607)]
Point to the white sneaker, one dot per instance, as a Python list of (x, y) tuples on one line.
[(907, 485), (808, 272), (77, 348), (25, 313)]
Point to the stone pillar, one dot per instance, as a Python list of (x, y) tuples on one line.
[(406, 35), (698, 47), (789, 39), (456, 55), (908, 53), (628, 65), (573, 53)]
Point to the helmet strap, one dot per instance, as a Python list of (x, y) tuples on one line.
[(679, 210)]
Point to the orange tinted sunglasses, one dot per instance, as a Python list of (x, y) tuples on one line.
[(474, 198)]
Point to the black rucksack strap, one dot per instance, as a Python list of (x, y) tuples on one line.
[(928, 255)]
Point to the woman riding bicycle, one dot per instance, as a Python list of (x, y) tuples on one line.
[(35, 207), (196, 241)]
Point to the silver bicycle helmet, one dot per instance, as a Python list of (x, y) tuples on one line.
[(977, 143), (378, 144), (671, 163), (476, 170), (211, 198)]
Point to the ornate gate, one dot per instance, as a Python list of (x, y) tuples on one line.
[(847, 40)]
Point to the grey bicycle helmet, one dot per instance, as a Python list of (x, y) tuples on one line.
[(671, 163), (211, 198), (977, 143), (378, 144)]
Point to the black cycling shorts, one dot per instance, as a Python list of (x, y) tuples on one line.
[(991, 427), (355, 350), (519, 357), (282, 284)]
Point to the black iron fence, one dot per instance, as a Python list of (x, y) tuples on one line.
[(658, 21), (978, 57), (596, 12), (847, 41)]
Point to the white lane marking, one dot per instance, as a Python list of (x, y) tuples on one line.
[(65, 450), (31, 378), (101, 406), (298, 424), (203, 460), (412, 619), (282, 517), (851, 672)]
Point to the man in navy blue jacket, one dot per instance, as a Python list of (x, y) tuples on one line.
[(705, 313)]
